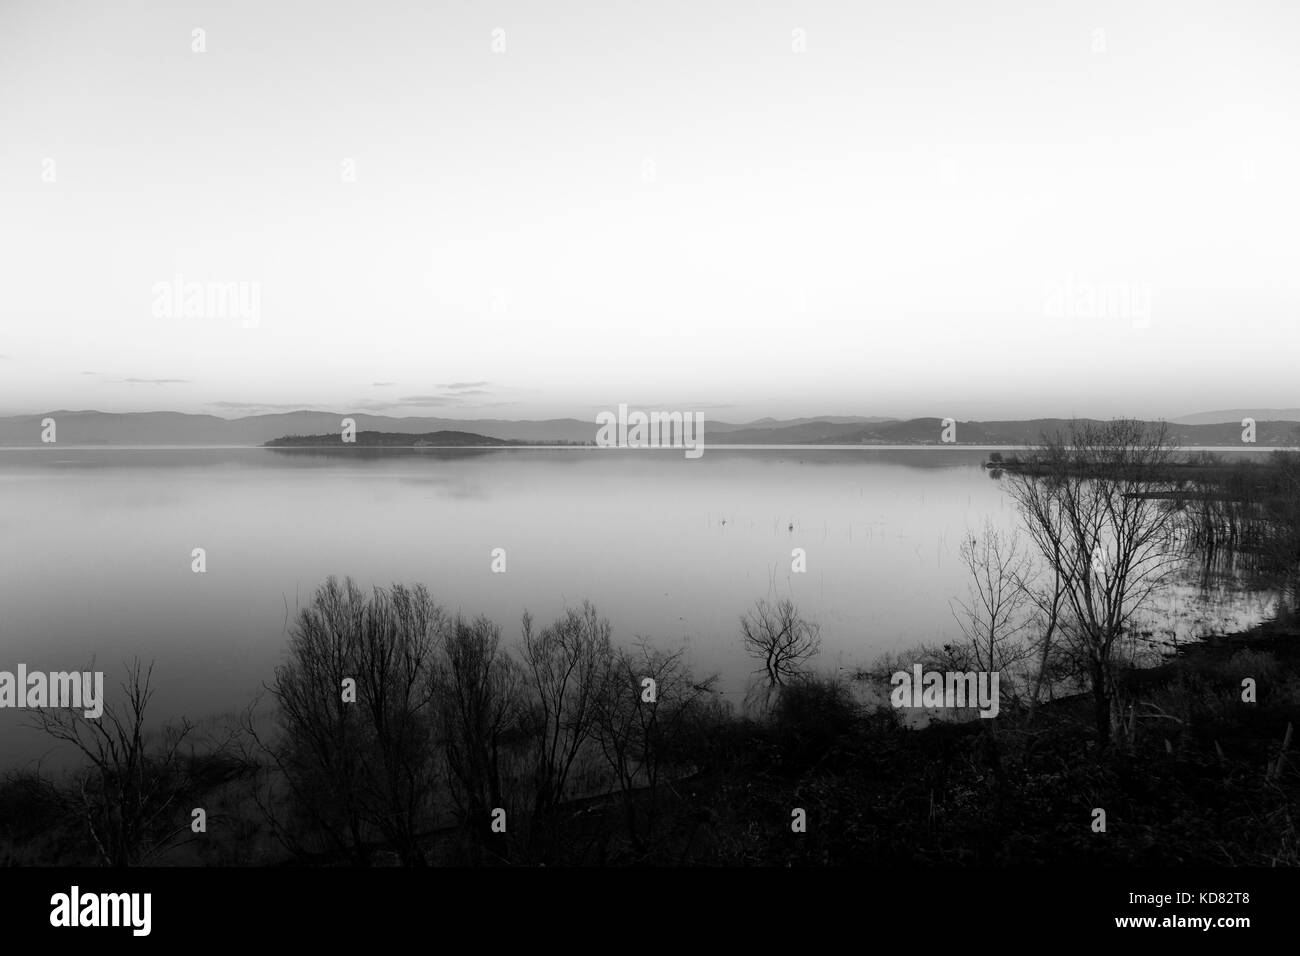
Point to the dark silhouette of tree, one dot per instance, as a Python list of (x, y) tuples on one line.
[(128, 796), (993, 616), (356, 768), (480, 694), (1094, 503), (564, 665), (781, 639), (639, 737)]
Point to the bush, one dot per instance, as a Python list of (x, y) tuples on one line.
[(34, 815), (814, 712)]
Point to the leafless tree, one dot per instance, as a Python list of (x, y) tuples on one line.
[(1049, 599), (781, 638), (480, 696), (396, 680), (564, 665), (638, 724), (1093, 503), (129, 795), (318, 752), (363, 765), (994, 617)]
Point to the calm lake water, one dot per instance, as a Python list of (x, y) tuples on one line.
[(96, 554)]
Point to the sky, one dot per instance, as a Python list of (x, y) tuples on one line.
[(530, 210)]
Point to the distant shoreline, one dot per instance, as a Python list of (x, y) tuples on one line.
[(306, 428), (528, 446)]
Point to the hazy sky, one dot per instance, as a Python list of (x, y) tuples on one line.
[(978, 209)]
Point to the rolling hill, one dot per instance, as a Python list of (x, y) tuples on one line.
[(176, 428)]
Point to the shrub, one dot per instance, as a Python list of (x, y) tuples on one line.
[(812, 713)]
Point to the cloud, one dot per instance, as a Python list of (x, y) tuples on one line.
[(453, 394), (140, 381), (427, 400), (463, 395), (450, 398), (243, 406)]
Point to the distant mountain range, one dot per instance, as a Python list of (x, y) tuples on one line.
[(928, 431), (176, 428), (1237, 414)]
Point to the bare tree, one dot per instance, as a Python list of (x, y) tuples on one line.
[(129, 795), (480, 693), (647, 698), (1093, 503), (564, 665), (396, 679), (318, 752), (781, 638), (1049, 601), (360, 765), (993, 618)]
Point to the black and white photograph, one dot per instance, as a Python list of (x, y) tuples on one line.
[(708, 450)]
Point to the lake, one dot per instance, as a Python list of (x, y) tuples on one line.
[(96, 556)]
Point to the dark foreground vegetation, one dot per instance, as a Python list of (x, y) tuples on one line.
[(1205, 779), (395, 733)]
